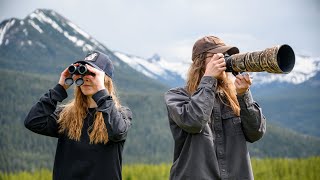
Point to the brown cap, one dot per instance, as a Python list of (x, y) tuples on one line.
[(212, 44)]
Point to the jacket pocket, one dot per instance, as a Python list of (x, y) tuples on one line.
[(232, 124), (237, 125)]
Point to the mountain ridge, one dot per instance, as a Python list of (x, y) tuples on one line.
[(155, 67), (305, 68)]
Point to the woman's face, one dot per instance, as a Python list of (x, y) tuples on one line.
[(87, 88)]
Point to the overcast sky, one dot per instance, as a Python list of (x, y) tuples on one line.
[(170, 27)]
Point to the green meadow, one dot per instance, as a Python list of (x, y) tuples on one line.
[(268, 168)]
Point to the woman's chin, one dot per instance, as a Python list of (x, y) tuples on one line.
[(87, 92)]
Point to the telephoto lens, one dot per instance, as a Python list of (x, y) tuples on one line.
[(277, 59)]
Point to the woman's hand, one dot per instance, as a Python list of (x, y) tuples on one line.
[(242, 83), (64, 74), (216, 66), (97, 80)]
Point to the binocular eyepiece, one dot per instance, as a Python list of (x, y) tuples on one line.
[(77, 70), (278, 59)]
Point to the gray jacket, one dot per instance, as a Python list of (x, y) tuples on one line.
[(209, 139)]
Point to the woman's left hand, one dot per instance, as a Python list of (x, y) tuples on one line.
[(98, 79), (242, 83)]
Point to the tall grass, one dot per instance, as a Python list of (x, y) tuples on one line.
[(264, 169), (287, 169)]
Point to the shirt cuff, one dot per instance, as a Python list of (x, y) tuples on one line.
[(209, 82), (58, 93), (245, 100), (99, 96)]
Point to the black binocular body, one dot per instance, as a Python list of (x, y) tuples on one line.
[(278, 59), (81, 69)]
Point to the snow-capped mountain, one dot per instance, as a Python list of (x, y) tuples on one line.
[(37, 22), (171, 73), (175, 71)]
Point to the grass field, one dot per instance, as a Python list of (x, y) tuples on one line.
[(264, 169)]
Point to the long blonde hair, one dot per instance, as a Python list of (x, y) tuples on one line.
[(195, 73), (73, 114)]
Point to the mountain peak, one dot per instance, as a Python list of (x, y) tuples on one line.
[(42, 10), (154, 58), (46, 31), (156, 68), (40, 13), (49, 25)]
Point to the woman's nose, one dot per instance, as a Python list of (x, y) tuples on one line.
[(85, 78)]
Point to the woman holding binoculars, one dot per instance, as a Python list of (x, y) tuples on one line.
[(91, 129)]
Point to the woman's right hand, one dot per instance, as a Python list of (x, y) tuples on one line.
[(216, 66), (64, 74)]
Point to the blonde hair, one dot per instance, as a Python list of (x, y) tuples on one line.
[(73, 114), (195, 73)]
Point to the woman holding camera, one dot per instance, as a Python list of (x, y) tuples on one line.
[(91, 128), (212, 118)]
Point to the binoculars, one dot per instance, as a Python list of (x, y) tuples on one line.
[(77, 70), (277, 59)]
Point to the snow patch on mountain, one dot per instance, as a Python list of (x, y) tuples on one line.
[(77, 29), (33, 24), (156, 64), (5, 28), (39, 15), (80, 38), (156, 67)]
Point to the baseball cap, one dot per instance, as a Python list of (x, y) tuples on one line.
[(99, 61), (212, 44)]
